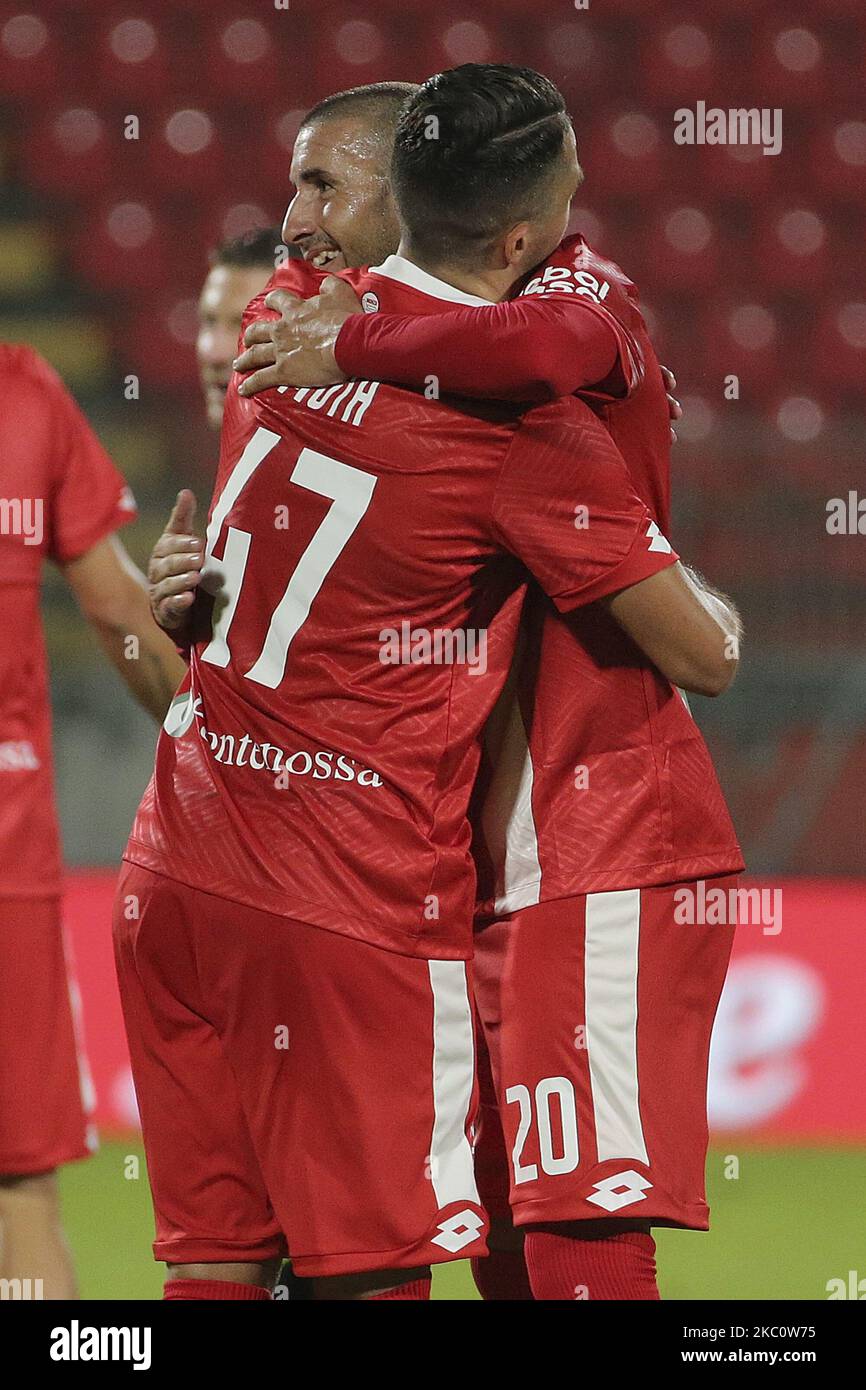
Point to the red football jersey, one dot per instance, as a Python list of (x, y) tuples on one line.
[(59, 494), (603, 780), (361, 550), (600, 777)]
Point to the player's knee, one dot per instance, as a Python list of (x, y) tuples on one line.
[(22, 1187), (261, 1273)]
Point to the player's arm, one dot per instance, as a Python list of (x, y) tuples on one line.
[(688, 630), (533, 348), (112, 595), (564, 504)]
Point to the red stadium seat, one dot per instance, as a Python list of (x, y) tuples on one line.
[(742, 338), (31, 59), (243, 58), (625, 152), (69, 153), (159, 342), (271, 154), (185, 154), (838, 158), (133, 59), (228, 218), (356, 46), (122, 246), (737, 171), (457, 34), (577, 56), (839, 346), (798, 417), (793, 249), (684, 246), (789, 63), (680, 63)]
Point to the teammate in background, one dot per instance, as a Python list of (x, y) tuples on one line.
[(585, 821), (238, 269), (61, 499), (300, 666)]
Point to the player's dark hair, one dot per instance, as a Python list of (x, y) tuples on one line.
[(380, 103), (474, 150), (259, 246)]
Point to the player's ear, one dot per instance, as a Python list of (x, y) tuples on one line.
[(517, 244)]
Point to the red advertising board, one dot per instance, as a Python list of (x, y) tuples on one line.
[(788, 1050)]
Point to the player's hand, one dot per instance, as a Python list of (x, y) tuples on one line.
[(174, 568), (297, 349), (674, 408)]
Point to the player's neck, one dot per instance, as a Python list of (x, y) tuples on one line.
[(494, 285)]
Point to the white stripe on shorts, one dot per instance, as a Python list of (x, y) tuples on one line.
[(612, 935), (452, 1171)]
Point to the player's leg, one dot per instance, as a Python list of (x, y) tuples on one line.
[(502, 1275), (33, 1247), (238, 1280), (608, 1005), (40, 1058), (356, 1071), (215, 1228), (406, 1284)]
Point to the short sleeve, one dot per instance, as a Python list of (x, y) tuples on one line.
[(565, 505), (89, 496)]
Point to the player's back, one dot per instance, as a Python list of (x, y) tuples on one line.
[(59, 494), (622, 791), (364, 618), (640, 423)]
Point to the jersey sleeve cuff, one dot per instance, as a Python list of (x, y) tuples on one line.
[(640, 563)]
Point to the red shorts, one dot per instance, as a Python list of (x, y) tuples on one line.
[(298, 1089), (45, 1091), (597, 1013)]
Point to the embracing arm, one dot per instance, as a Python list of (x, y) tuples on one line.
[(532, 349), (687, 629)]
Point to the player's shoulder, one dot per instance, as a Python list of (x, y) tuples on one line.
[(297, 276), (560, 421), (576, 268), (22, 364)]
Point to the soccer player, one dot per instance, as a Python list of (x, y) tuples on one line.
[(585, 812), (238, 269), (298, 892), (61, 498)]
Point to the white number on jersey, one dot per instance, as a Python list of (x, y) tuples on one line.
[(349, 489)]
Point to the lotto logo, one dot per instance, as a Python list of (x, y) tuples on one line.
[(620, 1190), (458, 1230), (657, 540)]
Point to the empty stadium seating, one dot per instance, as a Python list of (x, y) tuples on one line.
[(749, 260)]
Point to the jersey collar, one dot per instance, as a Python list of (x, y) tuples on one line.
[(407, 273)]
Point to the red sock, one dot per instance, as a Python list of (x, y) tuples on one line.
[(502, 1277), (620, 1266), (188, 1289), (416, 1288)]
